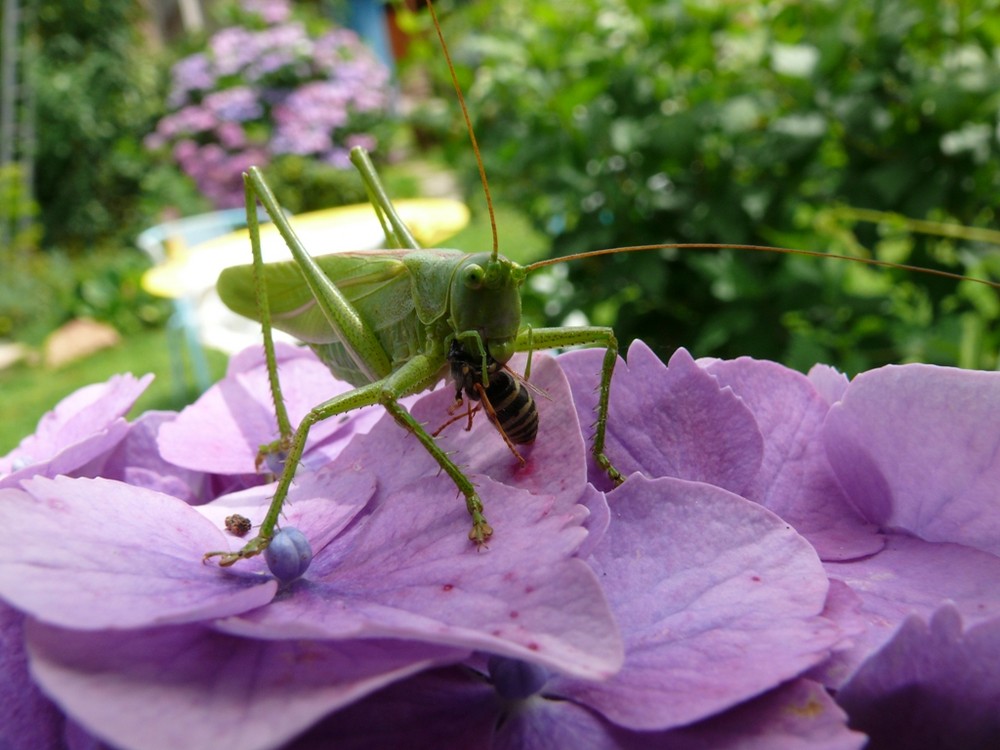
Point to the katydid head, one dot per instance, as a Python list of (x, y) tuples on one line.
[(485, 297)]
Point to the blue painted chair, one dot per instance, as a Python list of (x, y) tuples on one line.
[(160, 243)]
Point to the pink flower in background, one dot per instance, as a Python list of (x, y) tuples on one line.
[(260, 92)]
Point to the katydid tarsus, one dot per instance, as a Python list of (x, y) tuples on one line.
[(390, 322)]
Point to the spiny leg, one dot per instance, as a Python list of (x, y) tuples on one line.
[(280, 446), (397, 234), (365, 396), (412, 376), (550, 338), (360, 342)]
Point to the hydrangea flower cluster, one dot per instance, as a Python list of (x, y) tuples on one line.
[(268, 89), (793, 561)]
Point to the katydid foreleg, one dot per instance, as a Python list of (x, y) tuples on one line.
[(553, 338)]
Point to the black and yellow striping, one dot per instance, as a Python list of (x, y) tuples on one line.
[(506, 400), (514, 407)]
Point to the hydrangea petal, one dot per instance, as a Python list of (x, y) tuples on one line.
[(597, 522), (844, 607), (189, 687), (914, 577), (930, 686), (95, 553), (223, 430), (450, 707), (829, 382), (670, 420), (800, 715), (136, 460), (718, 600), (407, 570), (555, 462), (28, 720), (795, 479), (81, 429), (916, 447)]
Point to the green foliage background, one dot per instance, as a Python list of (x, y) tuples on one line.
[(615, 123), (97, 91)]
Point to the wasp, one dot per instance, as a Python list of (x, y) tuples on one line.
[(505, 398)]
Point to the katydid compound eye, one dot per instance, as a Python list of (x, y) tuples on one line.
[(473, 276), (288, 555)]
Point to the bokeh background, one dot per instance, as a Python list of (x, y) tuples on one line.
[(857, 127)]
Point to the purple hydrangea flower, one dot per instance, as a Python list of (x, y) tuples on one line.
[(915, 449), (234, 105), (891, 477), (270, 11), (780, 539), (78, 435), (258, 92), (191, 75), (125, 612), (935, 671), (459, 707)]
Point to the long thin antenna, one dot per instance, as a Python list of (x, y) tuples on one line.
[(760, 249), (472, 134)]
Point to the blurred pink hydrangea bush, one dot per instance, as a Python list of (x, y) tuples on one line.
[(268, 87)]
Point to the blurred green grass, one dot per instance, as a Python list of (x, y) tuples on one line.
[(30, 391)]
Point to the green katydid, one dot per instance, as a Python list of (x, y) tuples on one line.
[(386, 321)]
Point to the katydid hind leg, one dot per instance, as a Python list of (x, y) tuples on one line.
[(359, 340), (410, 378), (397, 234), (279, 448)]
